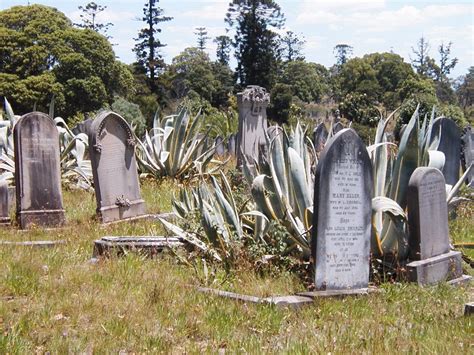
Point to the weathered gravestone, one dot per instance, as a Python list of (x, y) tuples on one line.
[(83, 127), (220, 148), (342, 216), (450, 145), (468, 152), (112, 153), (231, 145), (430, 255), (252, 103), (337, 127), (320, 136), (37, 172), (4, 203)]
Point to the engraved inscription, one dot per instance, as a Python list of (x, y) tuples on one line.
[(345, 225)]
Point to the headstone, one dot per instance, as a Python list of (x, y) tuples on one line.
[(342, 215), (231, 145), (252, 103), (468, 152), (37, 172), (337, 127), (450, 145), (220, 148), (4, 204), (82, 127), (112, 153), (430, 255), (320, 136)]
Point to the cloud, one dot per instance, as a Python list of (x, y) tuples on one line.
[(378, 18), (214, 10)]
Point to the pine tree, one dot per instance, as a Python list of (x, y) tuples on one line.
[(256, 45), (342, 52), (292, 46), (202, 37), (223, 49), (89, 18), (148, 44)]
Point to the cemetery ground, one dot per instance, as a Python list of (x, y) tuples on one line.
[(54, 299)]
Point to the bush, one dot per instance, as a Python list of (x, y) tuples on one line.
[(455, 113), (358, 108), (131, 113)]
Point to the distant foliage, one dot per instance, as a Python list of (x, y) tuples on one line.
[(255, 42), (131, 113), (43, 55)]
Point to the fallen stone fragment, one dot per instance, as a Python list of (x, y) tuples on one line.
[(292, 301), (148, 245), (34, 243)]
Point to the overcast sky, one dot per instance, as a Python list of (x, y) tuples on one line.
[(367, 25)]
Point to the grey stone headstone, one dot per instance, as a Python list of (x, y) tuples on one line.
[(37, 172), (252, 104), (430, 255), (337, 127), (231, 145), (220, 148), (427, 214), (450, 145), (320, 136), (112, 153), (82, 127), (468, 152), (342, 214), (4, 203)]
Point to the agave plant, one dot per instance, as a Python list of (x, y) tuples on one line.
[(392, 171), (223, 225), (173, 147), (74, 167), (282, 184)]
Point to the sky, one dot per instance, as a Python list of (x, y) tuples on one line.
[(366, 25)]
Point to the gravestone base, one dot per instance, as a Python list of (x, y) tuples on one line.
[(115, 213), (444, 267), (5, 221), (335, 293), (43, 218)]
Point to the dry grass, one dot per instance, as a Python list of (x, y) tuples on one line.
[(55, 300)]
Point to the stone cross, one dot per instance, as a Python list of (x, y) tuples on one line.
[(430, 255), (450, 145), (342, 215), (252, 103), (37, 172), (112, 153)]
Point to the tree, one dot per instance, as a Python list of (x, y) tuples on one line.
[(255, 43), (465, 90), (422, 62), (292, 46), (202, 37), (148, 44), (446, 63), (308, 81), (42, 54), (342, 53), (192, 73), (89, 18), (223, 49)]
